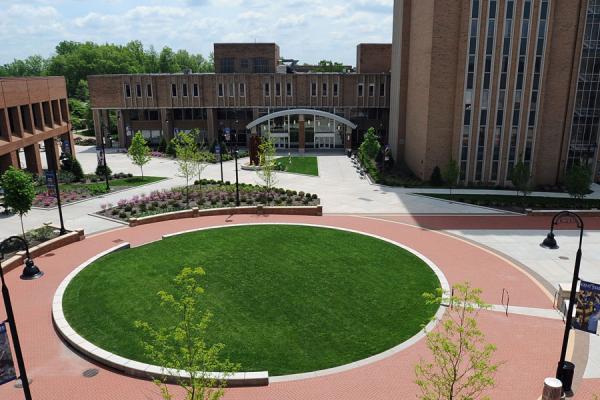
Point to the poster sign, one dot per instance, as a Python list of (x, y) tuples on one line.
[(66, 147), (100, 156), (227, 134), (50, 183), (7, 366), (588, 307), (217, 149)]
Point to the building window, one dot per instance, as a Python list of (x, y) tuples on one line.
[(138, 90), (382, 89), (371, 90), (244, 63), (220, 90), (289, 88), (195, 90), (173, 90), (324, 89), (261, 65), (360, 90), (184, 90), (277, 89), (127, 91), (267, 89), (242, 90), (227, 65), (313, 89), (149, 90), (335, 90), (231, 90)]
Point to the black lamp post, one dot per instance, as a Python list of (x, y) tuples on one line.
[(237, 188), (29, 272), (102, 138), (565, 369)]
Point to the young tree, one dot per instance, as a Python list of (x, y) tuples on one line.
[(183, 347), (71, 164), (268, 165), (578, 181), (188, 157), (139, 152), (451, 174), (521, 179), (19, 191), (370, 145), (462, 366)]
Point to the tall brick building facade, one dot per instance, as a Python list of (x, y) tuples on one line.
[(489, 83), (249, 82), (33, 111)]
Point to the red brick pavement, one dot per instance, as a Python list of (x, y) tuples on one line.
[(528, 345)]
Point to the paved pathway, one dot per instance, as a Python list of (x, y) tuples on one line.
[(529, 344)]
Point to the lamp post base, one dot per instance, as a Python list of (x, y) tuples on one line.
[(565, 373)]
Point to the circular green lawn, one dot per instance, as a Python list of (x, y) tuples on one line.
[(286, 299)]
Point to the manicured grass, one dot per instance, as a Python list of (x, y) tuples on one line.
[(122, 182), (286, 299), (518, 202), (299, 165)]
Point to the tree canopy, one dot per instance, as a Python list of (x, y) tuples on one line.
[(76, 60)]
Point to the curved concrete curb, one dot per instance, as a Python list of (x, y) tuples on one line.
[(131, 367), (369, 360)]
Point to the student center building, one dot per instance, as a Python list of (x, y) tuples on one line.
[(487, 83)]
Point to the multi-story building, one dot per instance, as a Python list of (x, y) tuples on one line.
[(314, 110), (489, 83), (33, 112)]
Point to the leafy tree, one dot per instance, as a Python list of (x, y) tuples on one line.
[(370, 145), (329, 66), (103, 170), (188, 159), (521, 178), (183, 346), (451, 174), (268, 165), (436, 177), (139, 152), (19, 191), (462, 367), (81, 114), (578, 181)]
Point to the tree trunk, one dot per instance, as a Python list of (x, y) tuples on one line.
[(22, 227)]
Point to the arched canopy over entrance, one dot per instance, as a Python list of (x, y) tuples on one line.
[(305, 128)]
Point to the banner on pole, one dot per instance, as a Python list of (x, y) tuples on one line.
[(587, 304), (7, 366), (50, 183), (100, 156)]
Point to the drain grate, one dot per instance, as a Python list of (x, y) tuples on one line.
[(563, 258), (89, 373), (48, 255), (118, 241)]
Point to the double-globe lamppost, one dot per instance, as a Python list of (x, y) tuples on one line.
[(565, 369), (29, 272)]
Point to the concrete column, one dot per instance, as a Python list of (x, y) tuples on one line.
[(52, 154), (33, 160), (7, 160), (97, 125), (18, 122), (121, 129), (348, 139), (301, 134), (166, 118)]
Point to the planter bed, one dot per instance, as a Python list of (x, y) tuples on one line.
[(206, 194)]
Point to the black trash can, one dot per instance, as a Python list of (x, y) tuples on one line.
[(565, 373)]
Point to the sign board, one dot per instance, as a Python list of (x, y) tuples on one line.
[(217, 149), (50, 183), (66, 147), (7, 366), (587, 304), (227, 134), (100, 155)]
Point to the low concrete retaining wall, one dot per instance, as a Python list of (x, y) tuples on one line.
[(195, 212), (551, 213), (43, 248)]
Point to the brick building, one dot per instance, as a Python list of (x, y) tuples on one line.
[(489, 83), (34, 112), (250, 82)]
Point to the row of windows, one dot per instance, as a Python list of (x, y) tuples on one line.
[(266, 90)]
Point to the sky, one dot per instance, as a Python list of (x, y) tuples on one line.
[(307, 30)]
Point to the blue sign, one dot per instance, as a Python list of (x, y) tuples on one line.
[(7, 366), (587, 314), (50, 183), (217, 149), (227, 131)]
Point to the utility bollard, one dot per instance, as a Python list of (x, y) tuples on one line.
[(552, 389)]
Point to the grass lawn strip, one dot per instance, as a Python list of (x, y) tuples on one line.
[(286, 299), (518, 202), (299, 165)]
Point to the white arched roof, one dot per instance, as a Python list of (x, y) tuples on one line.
[(300, 111)]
